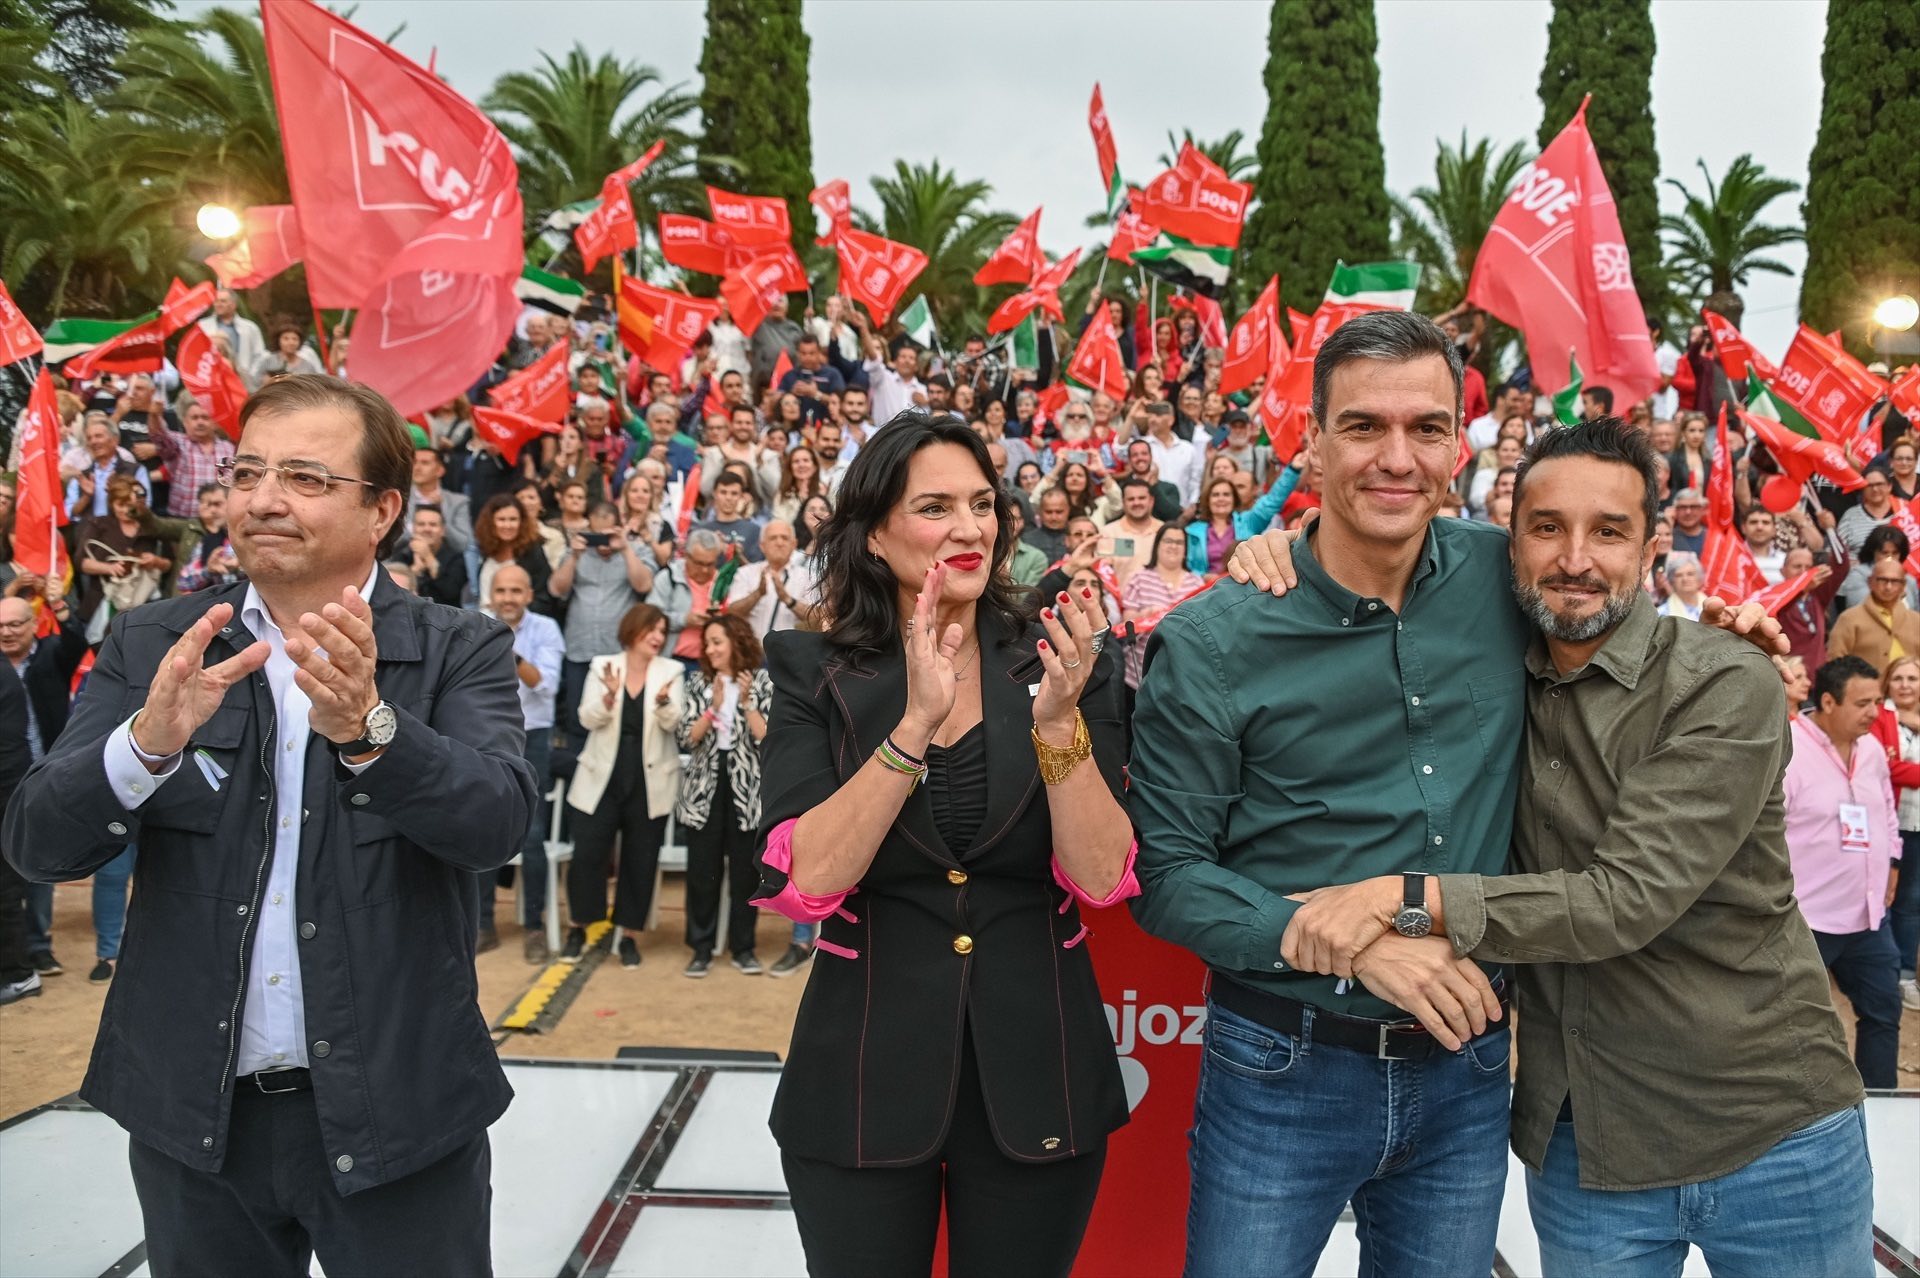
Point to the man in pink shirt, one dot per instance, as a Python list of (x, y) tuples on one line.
[(1843, 833)]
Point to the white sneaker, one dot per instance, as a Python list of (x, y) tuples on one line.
[(27, 987), (1910, 995)]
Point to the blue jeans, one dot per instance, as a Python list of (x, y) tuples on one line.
[(1285, 1133), (1867, 971), (533, 856), (109, 909), (1803, 1207), (1905, 911)]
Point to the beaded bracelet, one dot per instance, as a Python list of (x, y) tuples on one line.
[(894, 759)]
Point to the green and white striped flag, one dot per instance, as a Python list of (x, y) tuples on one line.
[(66, 338), (1761, 402), (917, 319), (555, 293), (1391, 284), (1566, 400), (1200, 268), (556, 231), (1023, 348)]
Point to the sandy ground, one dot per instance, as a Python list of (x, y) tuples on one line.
[(45, 1041)]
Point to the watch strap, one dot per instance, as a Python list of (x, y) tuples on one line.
[(1414, 891)]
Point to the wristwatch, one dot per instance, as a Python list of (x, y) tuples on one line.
[(1413, 919), (378, 731)]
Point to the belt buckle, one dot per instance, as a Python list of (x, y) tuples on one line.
[(260, 1077), (1386, 1033)]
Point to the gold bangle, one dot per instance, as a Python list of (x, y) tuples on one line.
[(1057, 763)]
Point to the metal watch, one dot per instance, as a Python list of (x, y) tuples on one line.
[(1413, 919), (378, 731)]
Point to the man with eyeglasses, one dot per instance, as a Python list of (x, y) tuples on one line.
[(295, 1045), (1690, 521)]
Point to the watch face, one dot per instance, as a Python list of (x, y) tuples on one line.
[(1412, 922), (382, 724)]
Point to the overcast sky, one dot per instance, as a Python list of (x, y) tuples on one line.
[(998, 89)]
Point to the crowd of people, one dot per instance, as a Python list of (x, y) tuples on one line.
[(642, 555)]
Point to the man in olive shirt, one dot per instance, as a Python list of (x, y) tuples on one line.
[(1367, 723), (1683, 1077)]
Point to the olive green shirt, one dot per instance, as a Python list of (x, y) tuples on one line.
[(1667, 981), (1281, 745)]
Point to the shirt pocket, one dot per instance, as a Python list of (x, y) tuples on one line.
[(1497, 715)]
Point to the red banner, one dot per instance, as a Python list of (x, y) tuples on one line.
[(1774, 598), (1254, 343), (1103, 148), (509, 432), (1905, 394), (40, 508), (1196, 201), (875, 271), (1042, 294), (270, 242), (1131, 232), (658, 324), (542, 390), (408, 200), (1831, 388), (1018, 259), (184, 305), (212, 379), (758, 288), (140, 349), (695, 244), (1734, 350), (1555, 266), (1800, 458), (836, 206), (17, 337), (627, 174), (752, 219), (610, 228), (1096, 359)]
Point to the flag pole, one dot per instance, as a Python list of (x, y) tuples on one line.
[(320, 335)]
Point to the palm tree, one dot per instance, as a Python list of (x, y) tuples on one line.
[(932, 209), (196, 109), (573, 121), (1716, 243), (1225, 153), (1442, 226)]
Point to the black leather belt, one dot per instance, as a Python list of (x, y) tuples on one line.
[(1386, 1040), (274, 1081)]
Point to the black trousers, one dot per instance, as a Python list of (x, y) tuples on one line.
[(14, 962), (273, 1206), (621, 813), (1005, 1219), (720, 845)]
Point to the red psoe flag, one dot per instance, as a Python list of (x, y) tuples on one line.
[(752, 219), (1096, 360), (1801, 458), (626, 174), (408, 200), (1018, 259), (509, 432), (1735, 351), (184, 305), (39, 511), (1042, 294), (1905, 394), (875, 271), (1831, 388), (1196, 201), (610, 228), (17, 336), (1254, 342), (1104, 150), (1554, 265), (1774, 598), (140, 349), (1131, 232), (659, 324), (695, 244), (755, 289), (835, 203), (270, 242), (541, 390), (212, 379)]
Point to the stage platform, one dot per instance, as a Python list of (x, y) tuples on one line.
[(659, 1165)]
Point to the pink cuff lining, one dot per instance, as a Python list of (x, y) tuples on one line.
[(1127, 886), (791, 901)]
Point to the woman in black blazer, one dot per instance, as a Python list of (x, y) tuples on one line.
[(941, 785)]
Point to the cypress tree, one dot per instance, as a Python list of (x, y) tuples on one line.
[(1321, 193), (753, 103), (1605, 47), (1863, 240)]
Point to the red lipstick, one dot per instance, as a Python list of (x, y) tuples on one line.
[(965, 563)]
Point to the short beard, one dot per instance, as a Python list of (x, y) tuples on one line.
[(1573, 629)]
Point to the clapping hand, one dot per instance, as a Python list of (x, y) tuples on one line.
[(336, 658), (611, 682), (1067, 657), (930, 671), (185, 692)]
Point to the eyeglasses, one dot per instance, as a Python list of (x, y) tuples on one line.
[(305, 479)]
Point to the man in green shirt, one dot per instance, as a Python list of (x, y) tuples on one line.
[(1367, 723), (1683, 1076)]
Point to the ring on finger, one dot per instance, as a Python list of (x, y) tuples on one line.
[(1071, 665)]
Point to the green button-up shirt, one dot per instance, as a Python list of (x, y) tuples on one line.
[(1281, 745), (1667, 980)]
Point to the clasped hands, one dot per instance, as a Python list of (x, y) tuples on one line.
[(1347, 931)]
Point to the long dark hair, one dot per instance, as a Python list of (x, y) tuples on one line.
[(861, 593)]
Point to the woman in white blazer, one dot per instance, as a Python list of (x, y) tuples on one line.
[(626, 781)]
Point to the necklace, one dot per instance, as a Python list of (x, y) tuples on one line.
[(960, 671)]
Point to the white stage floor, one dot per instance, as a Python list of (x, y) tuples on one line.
[(637, 1167)]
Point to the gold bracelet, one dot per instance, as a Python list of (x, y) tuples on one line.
[(1056, 763)]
